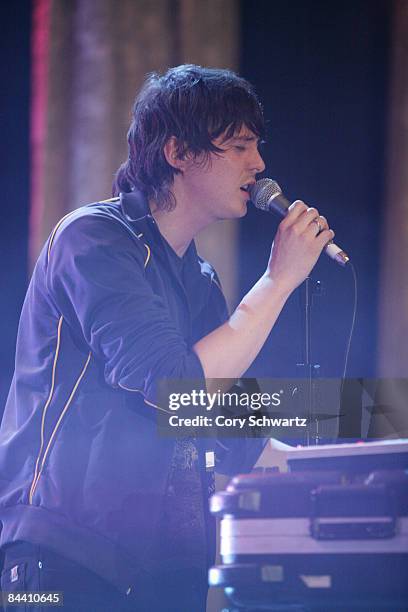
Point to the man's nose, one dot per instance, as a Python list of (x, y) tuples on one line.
[(258, 164)]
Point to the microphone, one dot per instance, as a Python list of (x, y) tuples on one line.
[(267, 195)]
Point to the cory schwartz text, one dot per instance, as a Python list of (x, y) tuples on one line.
[(237, 422)]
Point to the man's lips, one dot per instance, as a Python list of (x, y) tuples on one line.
[(247, 186), (246, 193)]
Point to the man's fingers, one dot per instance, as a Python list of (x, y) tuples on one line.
[(323, 221), (325, 237), (317, 225), (320, 223), (302, 219), (296, 209), (301, 216)]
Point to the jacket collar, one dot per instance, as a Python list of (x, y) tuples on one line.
[(134, 205), (135, 208)]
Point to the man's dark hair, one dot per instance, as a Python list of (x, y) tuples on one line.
[(194, 104)]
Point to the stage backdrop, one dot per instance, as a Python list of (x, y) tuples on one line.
[(393, 313)]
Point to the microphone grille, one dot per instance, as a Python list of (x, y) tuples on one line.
[(262, 192)]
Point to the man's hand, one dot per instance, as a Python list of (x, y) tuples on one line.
[(301, 237)]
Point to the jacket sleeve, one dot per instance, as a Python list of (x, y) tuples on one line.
[(96, 278)]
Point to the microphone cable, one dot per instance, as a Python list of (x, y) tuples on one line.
[(353, 320), (344, 416)]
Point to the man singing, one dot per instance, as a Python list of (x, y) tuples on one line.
[(93, 502)]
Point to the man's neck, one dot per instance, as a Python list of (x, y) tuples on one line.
[(174, 230), (179, 226)]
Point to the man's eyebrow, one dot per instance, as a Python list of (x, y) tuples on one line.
[(245, 138)]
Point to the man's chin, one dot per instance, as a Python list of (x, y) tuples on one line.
[(244, 210), (235, 213)]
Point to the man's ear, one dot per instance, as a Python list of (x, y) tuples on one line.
[(171, 152)]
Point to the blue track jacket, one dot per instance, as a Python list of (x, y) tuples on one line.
[(82, 468)]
